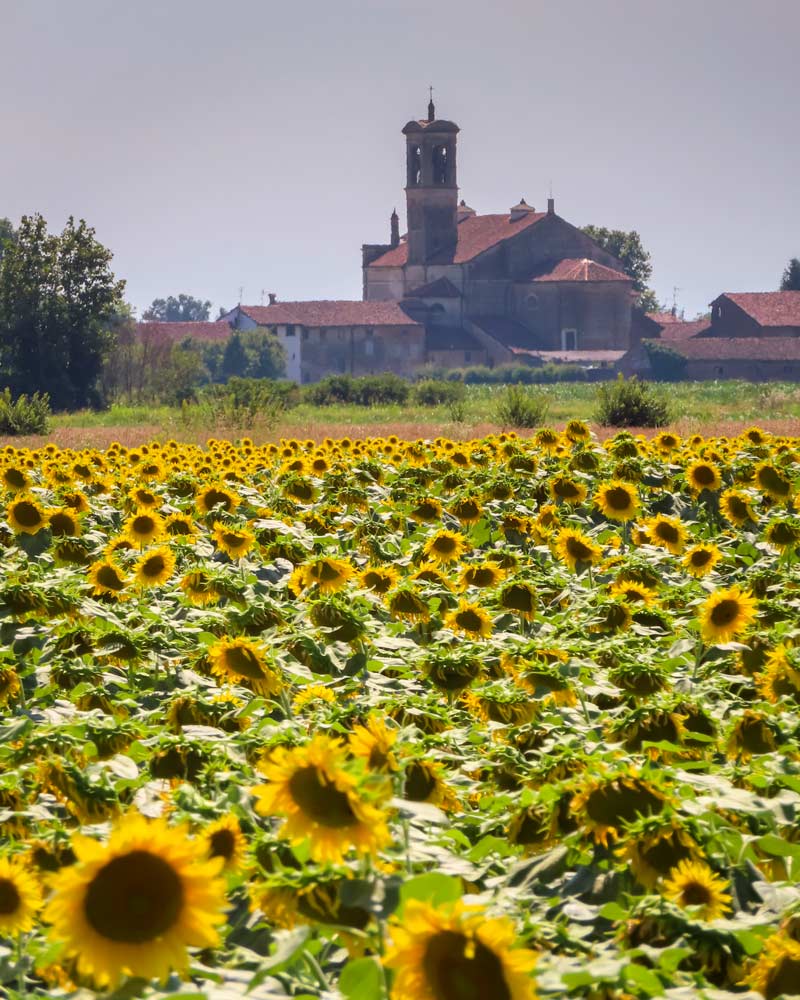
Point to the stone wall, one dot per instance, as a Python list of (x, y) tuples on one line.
[(361, 351)]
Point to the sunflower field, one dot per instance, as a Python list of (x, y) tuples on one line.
[(419, 720)]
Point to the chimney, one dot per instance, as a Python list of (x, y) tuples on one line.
[(273, 298), (520, 211), (395, 229), (551, 206)]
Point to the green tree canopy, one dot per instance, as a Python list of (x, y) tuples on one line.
[(636, 262), (59, 301), (6, 234), (183, 309), (791, 276)]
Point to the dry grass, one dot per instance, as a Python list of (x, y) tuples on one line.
[(102, 437)]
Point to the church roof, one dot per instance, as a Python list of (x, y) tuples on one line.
[(328, 312), (571, 269), (476, 235), (160, 332), (685, 331), (442, 288), (423, 125), (768, 308)]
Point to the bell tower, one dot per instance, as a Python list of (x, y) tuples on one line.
[(431, 186)]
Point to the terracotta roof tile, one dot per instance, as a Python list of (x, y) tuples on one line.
[(571, 269), (476, 234), (768, 308), (739, 348), (174, 332), (663, 318), (327, 312), (685, 331)]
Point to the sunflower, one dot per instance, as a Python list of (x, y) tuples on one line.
[(328, 574), (618, 501), (216, 495), (456, 952), (143, 528), (726, 614), (576, 549), (379, 579), (155, 567), (780, 679), (427, 511), (10, 685), (783, 534), (467, 511), (655, 846), (469, 618), (20, 898), (751, 735), (243, 661), (482, 575), (25, 515), (373, 742), (700, 559), (632, 592), (736, 507), (321, 800), (770, 480), (667, 533), (406, 603), (234, 542), (777, 971), (606, 805), (313, 694), (452, 669), (180, 525), (424, 783), (225, 840), (199, 588), (518, 596), (693, 884), (107, 578), (63, 524), (703, 476), (144, 499), (445, 546), (15, 479), (563, 489), (133, 905)]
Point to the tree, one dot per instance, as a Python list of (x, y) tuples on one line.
[(183, 309), (635, 260), (59, 301), (791, 276), (6, 234)]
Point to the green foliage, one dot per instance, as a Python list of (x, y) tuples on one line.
[(668, 364), (791, 276), (435, 392), (24, 415), (6, 234), (183, 309), (247, 354), (519, 406), (363, 390), (630, 403), (240, 403), (58, 299)]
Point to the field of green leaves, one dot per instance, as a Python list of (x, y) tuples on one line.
[(423, 720)]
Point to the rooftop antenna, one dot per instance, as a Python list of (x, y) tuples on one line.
[(675, 291), (241, 293)]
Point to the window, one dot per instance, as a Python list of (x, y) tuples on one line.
[(290, 330), (305, 334), (323, 333), (467, 356), (440, 164), (532, 302), (414, 166)]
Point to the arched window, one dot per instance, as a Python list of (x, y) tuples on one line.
[(440, 165), (414, 166), (532, 302)]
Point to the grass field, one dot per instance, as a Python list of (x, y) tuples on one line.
[(704, 407)]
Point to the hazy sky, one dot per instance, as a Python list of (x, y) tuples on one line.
[(215, 144)]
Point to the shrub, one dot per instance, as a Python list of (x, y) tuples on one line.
[(241, 402), (364, 390), (667, 364), (25, 414), (435, 392), (518, 406), (630, 403)]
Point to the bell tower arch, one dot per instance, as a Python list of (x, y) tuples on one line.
[(431, 186)]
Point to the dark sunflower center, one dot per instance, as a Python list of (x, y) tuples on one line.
[(10, 898), (324, 803), (223, 844), (517, 598), (444, 545), (328, 572), (153, 566), (618, 498), (483, 577), (27, 514), (578, 550), (738, 508), (704, 475), (62, 524), (233, 541), (15, 478), (244, 661), (420, 783), (179, 527), (108, 577), (469, 620), (725, 612), (700, 558), (667, 532), (617, 803), (459, 969), (666, 853), (783, 979), (143, 525), (214, 498), (695, 894), (134, 898)]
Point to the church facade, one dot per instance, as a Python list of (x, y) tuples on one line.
[(461, 288)]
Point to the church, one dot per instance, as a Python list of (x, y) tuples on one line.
[(461, 288)]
